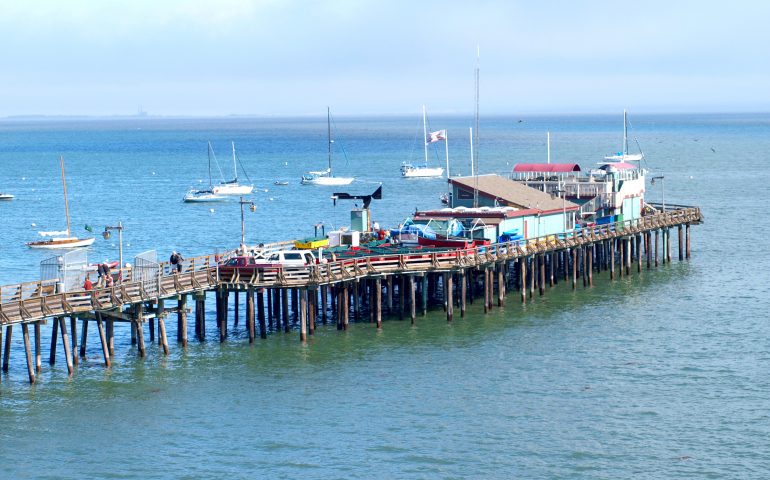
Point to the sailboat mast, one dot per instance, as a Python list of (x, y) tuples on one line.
[(66, 204), (425, 135), (475, 188), (625, 134), (476, 154), (235, 166), (329, 136), (446, 150), (209, 152)]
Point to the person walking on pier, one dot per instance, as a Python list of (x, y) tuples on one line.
[(176, 260)]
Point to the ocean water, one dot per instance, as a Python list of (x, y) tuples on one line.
[(658, 375)]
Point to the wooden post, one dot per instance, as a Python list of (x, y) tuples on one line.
[(622, 254), (303, 315), (648, 248), (628, 256), (550, 269), (103, 339), (285, 310), (250, 313), (83, 338), (324, 294), (356, 290), (378, 302), (487, 300), (657, 233), (236, 307), (312, 299), (151, 322), (7, 351), (66, 344), (541, 283), (638, 253), (74, 328), (28, 351), (225, 309), (412, 305), (200, 318), (110, 325), (463, 292), (590, 267), (38, 362), (345, 305), (261, 312), (139, 328), (401, 296), (668, 245), (681, 243), (54, 334), (389, 299), (181, 320), (163, 338), (574, 268), (523, 280), (687, 241), (583, 265), (501, 284), (449, 300), (424, 296)]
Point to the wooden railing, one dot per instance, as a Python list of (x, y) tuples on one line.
[(36, 300)]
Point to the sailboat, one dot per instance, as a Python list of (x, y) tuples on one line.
[(57, 241), (232, 187), (326, 177), (6, 196), (411, 171), (624, 156)]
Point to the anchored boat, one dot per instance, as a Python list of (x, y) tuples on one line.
[(56, 241), (414, 171), (326, 177)]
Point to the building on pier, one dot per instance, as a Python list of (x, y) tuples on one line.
[(613, 190)]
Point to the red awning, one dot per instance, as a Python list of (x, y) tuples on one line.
[(547, 167)]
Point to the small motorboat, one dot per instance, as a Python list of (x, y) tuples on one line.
[(202, 196), (280, 183), (6, 196)]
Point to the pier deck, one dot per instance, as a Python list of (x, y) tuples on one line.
[(522, 264)]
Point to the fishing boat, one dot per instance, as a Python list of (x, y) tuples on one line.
[(326, 177), (424, 171), (202, 196), (6, 196), (624, 156), (63, 239), (231, 187)]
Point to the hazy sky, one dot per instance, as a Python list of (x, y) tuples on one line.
[(285, 57)]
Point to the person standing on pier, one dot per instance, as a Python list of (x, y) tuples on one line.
[(176, 260), (87, 285)]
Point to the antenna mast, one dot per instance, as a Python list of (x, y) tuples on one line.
[(476, 152), (66, 205)]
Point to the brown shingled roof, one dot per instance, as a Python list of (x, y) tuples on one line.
[(512, 193)]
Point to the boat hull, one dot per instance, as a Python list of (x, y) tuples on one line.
[(446, 242), (422, 172), (328, 181), (233, 189), (61, 243), (6, 196)]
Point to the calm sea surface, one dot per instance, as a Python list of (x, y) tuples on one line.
[(660, 375)]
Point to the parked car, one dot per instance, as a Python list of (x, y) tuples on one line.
[(285, 258)]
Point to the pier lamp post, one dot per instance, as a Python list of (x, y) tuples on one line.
[(106, 234), (253, 208), (562, 194), (662, 188)]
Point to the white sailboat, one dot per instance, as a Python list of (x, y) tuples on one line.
[(6, 196), (57, 241), (326, 177), (232, 187), (414, 171), (624, 156)]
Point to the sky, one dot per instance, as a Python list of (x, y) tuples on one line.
[(287, 57)]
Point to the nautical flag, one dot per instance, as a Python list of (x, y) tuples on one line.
[(436, 136)]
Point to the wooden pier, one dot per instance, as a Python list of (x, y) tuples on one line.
[(278, 298)]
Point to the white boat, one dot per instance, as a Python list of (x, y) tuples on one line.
[(414, 171), (326, 177), (202, 196), (56, 241), (624, 156), (6, 196), (231, 187)]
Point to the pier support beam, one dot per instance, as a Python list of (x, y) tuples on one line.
[(378, 302), (681, 242), (54, 334), (7, 349), (261, 313), (250, 313), (574, 268), (412, 302), (74, 328), (138, 324), (200, 317), (424, 295), (28, 352), (541, 282), (523, 280), (103, 340), (590, 269), (66, 344), (448, 278), (501, 284), (389, 299), (668, 245), (463, 292), (657, 234), (687, 241), (83, 338), (302, 315), (285, 310), (38, 353), (181, 320)]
